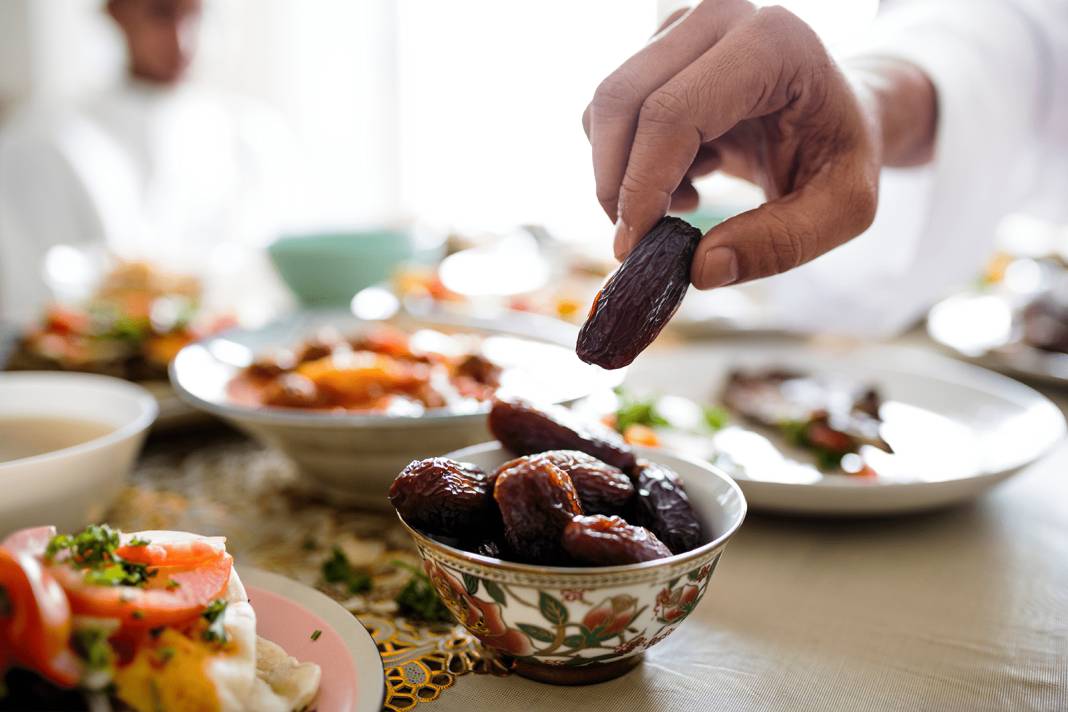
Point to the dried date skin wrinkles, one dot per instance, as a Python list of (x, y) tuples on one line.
[(611, 541), (602, 489), (526, 429), (537, 500), (640, 297), (663, 507), (444, 497)]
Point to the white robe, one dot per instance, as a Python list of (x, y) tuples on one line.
[(1001, 71), (184, 176)]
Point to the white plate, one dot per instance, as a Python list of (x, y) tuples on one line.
[(956, 429), (356, 456), (287, 613), (981, 327)]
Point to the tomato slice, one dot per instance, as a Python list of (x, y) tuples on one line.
[(37, 626), (176, 594), (192, 552)]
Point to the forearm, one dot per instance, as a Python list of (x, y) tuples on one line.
[(904, 105)]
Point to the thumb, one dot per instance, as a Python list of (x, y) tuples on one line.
[(785, 233)]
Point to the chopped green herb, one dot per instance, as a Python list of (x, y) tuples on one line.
[(91, 645), (636, 411), (5, 603), (795, 432), (213, 614), (138, 541), (156, 632), (93, 550), (138, 615), (315, 634), (419, 600), (157, 696), (166, 653), (337, 569), (716, 417), (172, 584)]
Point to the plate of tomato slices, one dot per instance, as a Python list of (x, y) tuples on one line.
[(154, 620)]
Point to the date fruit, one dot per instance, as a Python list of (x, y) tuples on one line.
[(525, 429), (444, 497), (662, 506), (602, 489), (610, 541), (640, 297), (537, 500)]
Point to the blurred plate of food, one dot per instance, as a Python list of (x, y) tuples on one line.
[(568, 294), (836, 430), (136, 321), (352, 401), (1015, 320)]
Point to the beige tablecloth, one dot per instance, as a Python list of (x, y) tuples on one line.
[(960, 610)]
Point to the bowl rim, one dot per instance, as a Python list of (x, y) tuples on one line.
[(669, 561), (148, 411), (295, 417)]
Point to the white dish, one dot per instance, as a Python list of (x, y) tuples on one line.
[(982, 327), (353, 685), (958, 429), (355, 457), (75, 485)]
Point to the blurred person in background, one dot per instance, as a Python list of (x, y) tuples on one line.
[(157, 168), (947, 116)]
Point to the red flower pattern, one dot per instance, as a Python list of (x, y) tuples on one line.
[(483, 618), (673, 604), (612, 615)]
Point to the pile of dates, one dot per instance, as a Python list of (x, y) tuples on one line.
[(576, 495)]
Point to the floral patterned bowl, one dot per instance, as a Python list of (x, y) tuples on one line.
[(580, 625)]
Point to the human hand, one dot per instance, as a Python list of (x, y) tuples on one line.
[(753, 93)]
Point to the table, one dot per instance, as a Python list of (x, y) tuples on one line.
[(965, 609)]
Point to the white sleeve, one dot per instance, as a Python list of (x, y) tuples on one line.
[(47, 200), (1000, 68)]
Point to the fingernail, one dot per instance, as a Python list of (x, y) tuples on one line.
[(719, 267), (622, 239)]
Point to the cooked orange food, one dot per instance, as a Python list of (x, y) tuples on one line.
[(384, 370)]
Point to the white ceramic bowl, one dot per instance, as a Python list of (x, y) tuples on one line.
[(580, 625), (73, 486), (354, 457)]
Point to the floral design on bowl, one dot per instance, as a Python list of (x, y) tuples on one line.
[(585, 624)]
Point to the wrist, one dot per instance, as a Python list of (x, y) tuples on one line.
[(902, 104)]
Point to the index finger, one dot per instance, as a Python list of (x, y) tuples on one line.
[(612, 116)]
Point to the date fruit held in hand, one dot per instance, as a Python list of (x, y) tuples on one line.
[(663, 507), (641, 296), (442, 496), (602, 489), (525, 429), (610, 541), (537, 500)]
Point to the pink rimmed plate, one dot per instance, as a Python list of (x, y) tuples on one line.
[(288, 613)]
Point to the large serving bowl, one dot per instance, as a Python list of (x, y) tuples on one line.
[(354, 457), (75, 485), (580, 625)]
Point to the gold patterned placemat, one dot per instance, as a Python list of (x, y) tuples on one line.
[(229, 486)]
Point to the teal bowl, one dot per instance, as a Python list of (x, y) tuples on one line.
[(327, 269)]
